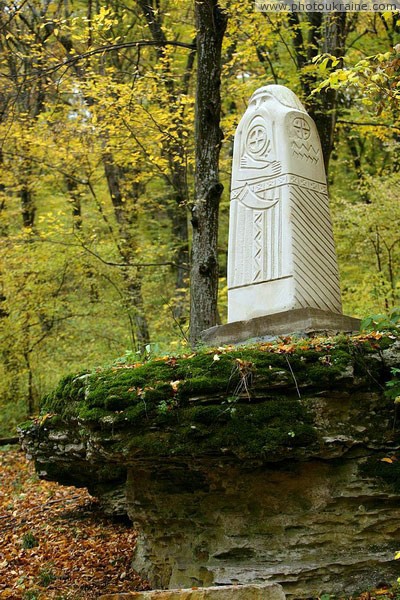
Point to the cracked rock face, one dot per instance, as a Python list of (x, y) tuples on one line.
[(313, 526), (316, 514)]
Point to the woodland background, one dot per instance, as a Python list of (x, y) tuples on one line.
[(97, 169)]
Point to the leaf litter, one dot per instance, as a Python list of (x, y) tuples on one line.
[(55, 544)]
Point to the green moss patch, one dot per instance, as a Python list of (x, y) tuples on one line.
[(383, 468), (225, 399)]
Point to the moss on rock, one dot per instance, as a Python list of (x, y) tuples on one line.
[(226, 399), (383, 468)]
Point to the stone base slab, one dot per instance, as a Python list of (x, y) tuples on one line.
[(303, 322), (269, 591)]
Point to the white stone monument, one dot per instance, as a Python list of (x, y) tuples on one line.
[(281, 254)]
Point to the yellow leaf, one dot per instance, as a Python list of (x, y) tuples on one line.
[(175, 384)]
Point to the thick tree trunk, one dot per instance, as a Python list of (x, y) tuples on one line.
[(323, 107), (211, 23)]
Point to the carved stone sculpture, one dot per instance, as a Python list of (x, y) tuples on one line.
[(281, 252)]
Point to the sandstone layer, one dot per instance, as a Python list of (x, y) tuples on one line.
[(275, 465), (230, 592)]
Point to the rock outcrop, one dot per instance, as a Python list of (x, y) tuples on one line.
[(269, 591), (275, 463)]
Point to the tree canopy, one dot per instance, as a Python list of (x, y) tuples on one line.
[(110, 204)]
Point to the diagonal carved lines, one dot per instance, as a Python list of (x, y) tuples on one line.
[(315, 264), (314, 221), (313, 284), (313, 205), (310, 290), (318, 249)]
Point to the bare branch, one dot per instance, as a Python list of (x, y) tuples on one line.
[(369, 124), (110, 263), (113, 47), (136, 265), (57, 168)]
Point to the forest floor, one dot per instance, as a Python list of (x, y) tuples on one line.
[(54, 542)]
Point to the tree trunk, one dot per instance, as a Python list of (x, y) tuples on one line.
[(28, 208), (211, 23), (125, 215), (75, 200), (30, 397), (323, 107), (173, 149), (178, 216), (327, 34)]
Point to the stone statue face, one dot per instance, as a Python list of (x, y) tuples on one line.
[(281, 94)]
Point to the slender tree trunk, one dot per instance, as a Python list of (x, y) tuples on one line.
[(180, 231), (326, 33), (211, 23), (3, 234), (181, 259), (378, 254), (75, 200), (28, 208), (30, 393), (172, 150), (125, 216), (392, 279)]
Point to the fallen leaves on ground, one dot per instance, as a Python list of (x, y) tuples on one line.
[(387, 592), (54, 542)]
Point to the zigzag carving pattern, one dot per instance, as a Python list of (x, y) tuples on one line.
[(257, 245), (307, 151), (260, 260), (314, 257)]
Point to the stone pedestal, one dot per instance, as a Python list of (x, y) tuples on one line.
[(302, 322)]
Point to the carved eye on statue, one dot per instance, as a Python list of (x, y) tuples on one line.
[(257, 140), (301, 128)]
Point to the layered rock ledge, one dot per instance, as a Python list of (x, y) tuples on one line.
[(269, 591), (274, 463)]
